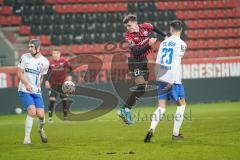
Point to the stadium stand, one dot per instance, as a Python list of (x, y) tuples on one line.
[(77, 26)]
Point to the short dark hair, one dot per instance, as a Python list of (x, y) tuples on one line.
[(130, 17), (176, 25), (35, 42)]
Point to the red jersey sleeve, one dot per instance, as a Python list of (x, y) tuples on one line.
[(148, 26)]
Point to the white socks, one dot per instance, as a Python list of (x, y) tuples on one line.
[(127, 109), (178, 119), (28, 125), (157, 116)]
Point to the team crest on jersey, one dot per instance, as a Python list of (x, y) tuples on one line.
[(183, 48), (145, 33), (130, 43)]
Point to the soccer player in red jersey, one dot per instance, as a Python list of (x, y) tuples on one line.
[(58, 71), (140, 45)]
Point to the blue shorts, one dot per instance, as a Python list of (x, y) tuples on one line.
[(28, 99), (175, 93)]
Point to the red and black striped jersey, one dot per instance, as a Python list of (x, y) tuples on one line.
[(58, 71), (140, 39)]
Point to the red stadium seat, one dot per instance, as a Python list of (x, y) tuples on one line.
[(191, 23), (229, 4), (211, 33), (232, 42), (221, 53), (69, 8), (6, 10), (45, 40), (180, 14), (211, 43), (201, 54), (230, 13), (230, 22), (210, 13), (15, 20), (5, 20), (221, 43), (219, 4), (200, 14), (211, 53), (191, 44), (64, 49), (201, 44), (199, 4), (59, 8), (190, 5), (210, 4), (79, 8), (24, 30), (51, 1), (75, 49)]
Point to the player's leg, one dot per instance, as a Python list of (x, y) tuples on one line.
[(163, 95), (52, 100), (40, 113), (178, 94), (28, 104), (139, 71), (64, 105)]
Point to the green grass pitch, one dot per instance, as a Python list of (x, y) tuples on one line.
[(212, 131)]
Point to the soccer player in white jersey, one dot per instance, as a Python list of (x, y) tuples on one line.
[(168, 76), (31, 70)]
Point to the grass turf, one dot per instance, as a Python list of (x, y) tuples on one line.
[(211, 132)]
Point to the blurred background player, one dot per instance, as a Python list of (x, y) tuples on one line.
[(168, 74), (31, 70), (57, 74), (140, 44)]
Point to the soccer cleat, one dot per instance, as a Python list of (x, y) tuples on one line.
[(129, 118), (125, 116), (27, 140), (42, 135), (179, 137), (148, 136), (65, 118), (50, 120)]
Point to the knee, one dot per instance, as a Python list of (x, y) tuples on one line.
[(40, 114), (141, 89), (181, 102), (32, 111)]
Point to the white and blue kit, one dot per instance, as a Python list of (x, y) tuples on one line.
[(33, 69), (168, 68)]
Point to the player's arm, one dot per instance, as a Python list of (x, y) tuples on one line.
[(47, 83), (69, 71), (45, 76), (158, 31), (136, 50), (23, 79)]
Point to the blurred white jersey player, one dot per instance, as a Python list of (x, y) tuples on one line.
[(168, 77), (31, 70)]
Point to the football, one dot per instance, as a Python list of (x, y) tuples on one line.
[(68, 87), (18, 110)]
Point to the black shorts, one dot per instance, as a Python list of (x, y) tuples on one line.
[(138, 67), (57, 90)]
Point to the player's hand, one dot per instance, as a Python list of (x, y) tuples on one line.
[(152, 41), (166, 37), (28, 87), (47, 85), (168, 87), (68, 78)]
